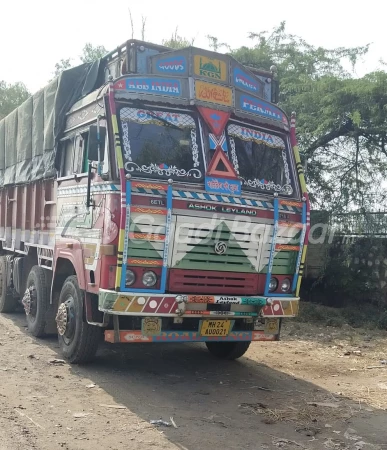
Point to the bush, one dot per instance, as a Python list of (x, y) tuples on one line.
[(368, 316), (353, 275), (382, 322), (314, 313)]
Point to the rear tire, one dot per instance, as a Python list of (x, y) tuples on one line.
[(78, 340), (8, 303), (36, 300), (228, 350)]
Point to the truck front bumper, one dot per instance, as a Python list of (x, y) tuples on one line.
[(264, 312), (176, 305)]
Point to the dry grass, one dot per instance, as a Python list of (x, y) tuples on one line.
[(348, 361), (304, 416)]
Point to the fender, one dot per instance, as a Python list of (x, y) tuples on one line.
[(71, 250)]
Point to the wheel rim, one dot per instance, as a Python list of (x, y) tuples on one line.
[(65, 320), (30, 302)]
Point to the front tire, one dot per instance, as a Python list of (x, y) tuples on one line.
[(228, 350), (78, 340)]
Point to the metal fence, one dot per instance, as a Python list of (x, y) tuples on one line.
[(360, 223)]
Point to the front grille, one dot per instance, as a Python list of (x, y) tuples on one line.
[(218, 283), (195, 242)]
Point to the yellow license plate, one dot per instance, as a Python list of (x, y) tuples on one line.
[(213, 328), (271, 326)]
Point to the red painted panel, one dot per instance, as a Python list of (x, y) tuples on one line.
[(74, 254), (142, 200), (225, 208), (208, 282), (273, 310), (150, 185), (108, 272), (152, 304), (231, 283), (215, 119), (167, 305), (222, 208)]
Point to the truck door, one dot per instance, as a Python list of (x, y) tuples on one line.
[(75, 220)]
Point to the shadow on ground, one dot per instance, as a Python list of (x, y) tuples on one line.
[(242, 404)]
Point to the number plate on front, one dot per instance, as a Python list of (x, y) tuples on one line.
[(212, 328)]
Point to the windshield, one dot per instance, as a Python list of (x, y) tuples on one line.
[(261, 159), (161, 144)]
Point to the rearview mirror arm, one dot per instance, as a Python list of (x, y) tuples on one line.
[(88, 194), (99, 169)]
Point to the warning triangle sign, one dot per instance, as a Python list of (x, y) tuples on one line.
[(220, 165), (215, 119)]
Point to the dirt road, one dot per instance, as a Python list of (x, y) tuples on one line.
[(313, 390)]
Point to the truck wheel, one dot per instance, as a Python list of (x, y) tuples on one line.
[(7, 302), (36, 300), (228, 350), (78, 340)]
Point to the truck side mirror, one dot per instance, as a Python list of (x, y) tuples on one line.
[(97, 136)]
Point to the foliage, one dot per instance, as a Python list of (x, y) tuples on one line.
[(62, 65), (368, 317), (341, 121), (354, 276), (11, 96), (176, 42), (215, 45), (354, 270), (90, 53)]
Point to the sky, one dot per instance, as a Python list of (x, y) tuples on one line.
[(34, 35)]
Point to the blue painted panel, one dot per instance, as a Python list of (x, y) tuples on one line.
[(245, 81), (261, 108), (223, 186), (172, 65), (150, 85)]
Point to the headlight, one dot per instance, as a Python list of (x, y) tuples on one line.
[(285, 285), (130, 277), (149, 279), (273, 284)]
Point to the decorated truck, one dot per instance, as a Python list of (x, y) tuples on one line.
[(153, 196)]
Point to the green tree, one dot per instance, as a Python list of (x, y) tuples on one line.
[(91, 53), (62, 65), (215, 45), (177, 42), (341, 120), (11, 96)]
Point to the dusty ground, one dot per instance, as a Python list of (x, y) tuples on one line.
[(320, 388)]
